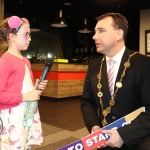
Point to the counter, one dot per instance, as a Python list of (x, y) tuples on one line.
[(64, 80)]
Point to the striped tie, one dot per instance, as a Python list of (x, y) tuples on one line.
[(111, 75)]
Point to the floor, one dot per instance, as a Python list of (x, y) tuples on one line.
[(62, 122)]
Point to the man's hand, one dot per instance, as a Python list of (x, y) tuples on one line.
[(94, 129), (115, 141)]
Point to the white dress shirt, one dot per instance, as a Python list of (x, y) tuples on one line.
[(117, 59)]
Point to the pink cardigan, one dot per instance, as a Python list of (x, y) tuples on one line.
[(12, 71)]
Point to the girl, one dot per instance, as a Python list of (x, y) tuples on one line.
[(16, 87)]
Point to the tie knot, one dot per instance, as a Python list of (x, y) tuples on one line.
[(111, 61)]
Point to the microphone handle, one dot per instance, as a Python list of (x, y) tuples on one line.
[(45, 73)]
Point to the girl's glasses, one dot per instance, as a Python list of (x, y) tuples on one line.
[(26, 35)]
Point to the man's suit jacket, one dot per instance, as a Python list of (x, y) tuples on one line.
[(134, 93)]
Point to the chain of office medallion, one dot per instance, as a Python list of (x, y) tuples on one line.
[(106, 111)]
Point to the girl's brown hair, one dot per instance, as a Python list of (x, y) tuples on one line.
[(4, 32)]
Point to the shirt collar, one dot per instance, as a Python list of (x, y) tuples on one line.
[(118, 56)]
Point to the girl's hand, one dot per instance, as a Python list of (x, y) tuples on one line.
[(32, 95), (42, 85)]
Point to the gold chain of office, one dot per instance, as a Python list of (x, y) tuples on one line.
[(106, 111)]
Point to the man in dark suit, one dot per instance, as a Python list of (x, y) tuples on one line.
[(130, 86)]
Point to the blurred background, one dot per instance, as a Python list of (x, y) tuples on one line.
[(72, 38)]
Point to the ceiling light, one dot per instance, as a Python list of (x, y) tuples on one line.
[(35, 30), (67, 3), (85, 28), (59, 21)]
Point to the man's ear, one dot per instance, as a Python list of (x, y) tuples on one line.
[(11, 37), (120, 34)]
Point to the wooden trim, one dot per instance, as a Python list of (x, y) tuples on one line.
[(62, 89), (1, 10), (61, 67)]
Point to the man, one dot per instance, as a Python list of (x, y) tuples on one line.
[(113, 91)]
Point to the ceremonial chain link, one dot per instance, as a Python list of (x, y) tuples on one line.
[(106, 111)]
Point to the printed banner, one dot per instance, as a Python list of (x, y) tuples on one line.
[(98, 138)]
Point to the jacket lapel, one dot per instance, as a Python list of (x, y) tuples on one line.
[(121, 68), (105, 88)]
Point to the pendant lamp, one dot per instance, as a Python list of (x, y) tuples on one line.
[(67, 3), (59, 21), (85, 28), (34, 27)]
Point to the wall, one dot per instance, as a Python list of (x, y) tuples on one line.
[(144, 25)]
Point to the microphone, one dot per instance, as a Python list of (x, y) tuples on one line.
[(32, 106), (48, 65)]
